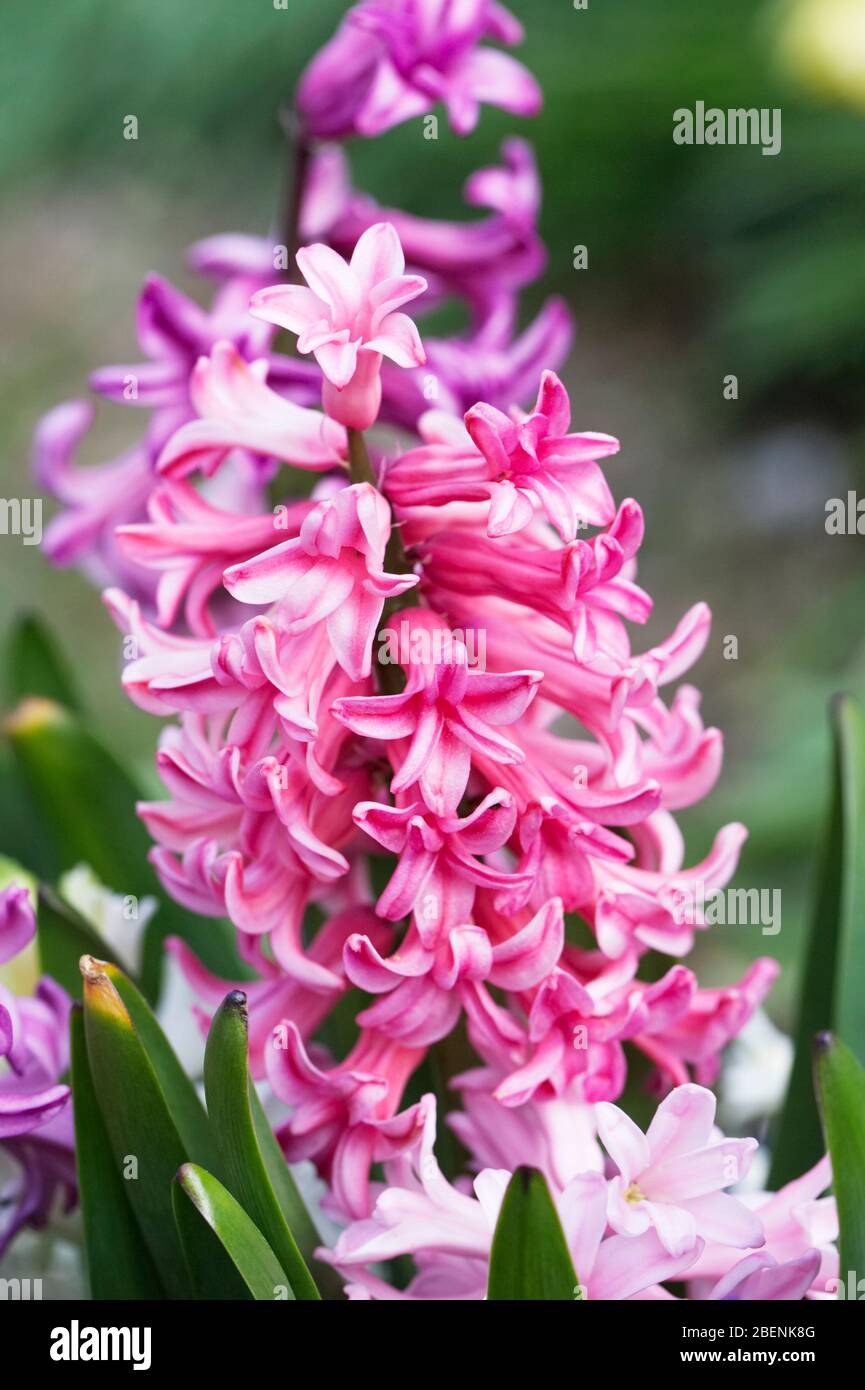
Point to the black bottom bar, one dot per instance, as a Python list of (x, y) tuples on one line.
[(255, 1338)]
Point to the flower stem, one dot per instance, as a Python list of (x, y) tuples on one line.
[(296, 168), (358, 458), (389, 679)]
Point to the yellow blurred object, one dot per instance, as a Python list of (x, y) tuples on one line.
[(21, 973), (822, 44), (31, 714)]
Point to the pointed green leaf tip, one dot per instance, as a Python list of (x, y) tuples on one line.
[(530, 1260), (232, 1107)]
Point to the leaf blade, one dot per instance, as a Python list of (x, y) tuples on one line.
[(840, 1084), (227, 1090), (849, 1017), (137, 1121), (119, 1263), (529, 1260), (833, 970), (181, 1097), (36, 666), (227, 1256)]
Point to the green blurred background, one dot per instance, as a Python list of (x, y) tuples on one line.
[(702, 262)]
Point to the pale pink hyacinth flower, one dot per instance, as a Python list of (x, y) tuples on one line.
[(391, 60), (450, 1232), (349, 318), (484, 263), (672, 1178), (761, 1278), (797, 1220), (448, 1229)]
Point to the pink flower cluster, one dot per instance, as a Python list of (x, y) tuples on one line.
[(295, 759), (439, 838), (653, 1212), (35, 1114)]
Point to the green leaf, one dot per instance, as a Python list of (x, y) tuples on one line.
[(530, 1259), (840, 1085), (35, 665), (227, 1256), (86, 799), (849, 1018), (86, 802), (22, 832), (118, 1261), (64, 937), (833, 971), (181, 1097), (227, 1089), (144, 1138)]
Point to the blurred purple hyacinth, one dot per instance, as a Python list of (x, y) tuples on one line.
[(391, 60), (35, 1108)]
